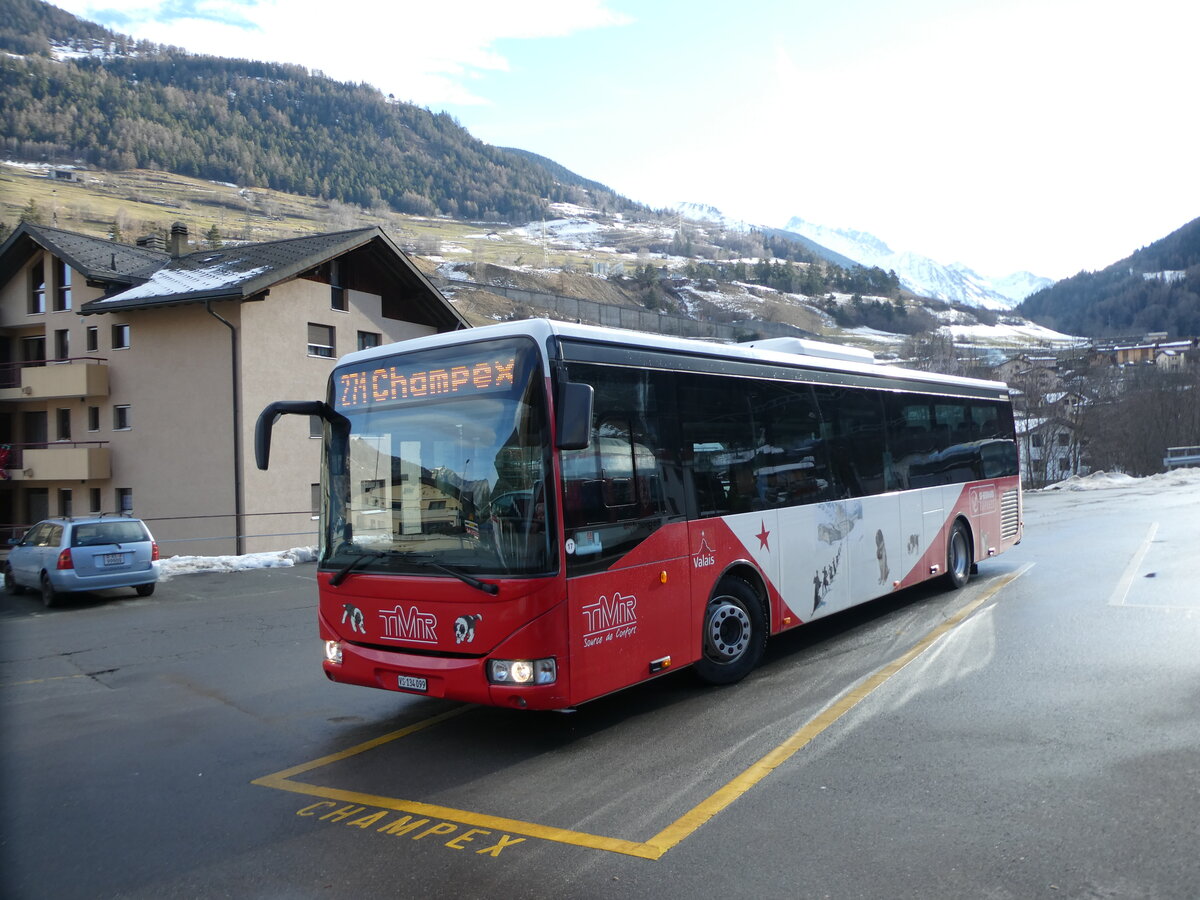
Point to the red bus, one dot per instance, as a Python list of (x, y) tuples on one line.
[(535, 514)]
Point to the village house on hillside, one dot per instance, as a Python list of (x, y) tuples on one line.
[(131, 377)]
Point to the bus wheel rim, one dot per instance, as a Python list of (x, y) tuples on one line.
[(729, 631)]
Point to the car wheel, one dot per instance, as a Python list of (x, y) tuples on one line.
[(10, 581), (735, 633), (144, 590), (50, 596)]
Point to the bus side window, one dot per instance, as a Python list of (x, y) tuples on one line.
[(857, 446), (718, 427)]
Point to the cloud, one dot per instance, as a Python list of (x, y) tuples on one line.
[(425, 53)]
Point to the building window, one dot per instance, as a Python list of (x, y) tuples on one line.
[(94, 499), (63, 418), (121, 421), (337, 290), (120, 337), (321, 340), (62, 286), (93, 339), (315, 500), (37, 288), (316, 427), (64, 502), (62, 344), (369, 339), (93, 418), (125, 501)]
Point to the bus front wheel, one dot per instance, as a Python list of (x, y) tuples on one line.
[(735, 633), (958, 556)]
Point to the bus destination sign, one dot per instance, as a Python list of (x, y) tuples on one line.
[(370, 385)]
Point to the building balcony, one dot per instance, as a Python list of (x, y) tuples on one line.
[(54, 378), (58, 461)]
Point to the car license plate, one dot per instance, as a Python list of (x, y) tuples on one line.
[(114, 559), (412, 683)]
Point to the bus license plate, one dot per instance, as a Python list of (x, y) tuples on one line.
[(412, 683), (114, 559)]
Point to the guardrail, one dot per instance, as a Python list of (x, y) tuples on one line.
[(1179, 457)]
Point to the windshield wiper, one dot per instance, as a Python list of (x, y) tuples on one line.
[(340, 575), (420, 559)]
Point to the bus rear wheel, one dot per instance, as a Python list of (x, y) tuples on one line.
[(958, 556), (735, 633)]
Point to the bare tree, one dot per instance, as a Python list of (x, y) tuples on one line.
[(1131, 430)]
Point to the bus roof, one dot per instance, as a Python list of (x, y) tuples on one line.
[(790, 352)]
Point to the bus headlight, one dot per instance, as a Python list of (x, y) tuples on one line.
[(522, 671), (333, 652)]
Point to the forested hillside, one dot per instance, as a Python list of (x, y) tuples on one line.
[(1155, 289), (137, 105)]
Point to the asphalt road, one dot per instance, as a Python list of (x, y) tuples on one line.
[(1034, 735)]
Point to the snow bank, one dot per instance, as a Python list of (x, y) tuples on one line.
[(191, 565), (1101, 481)]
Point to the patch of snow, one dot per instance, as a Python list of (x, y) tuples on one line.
[(166, 282), (1102, 481), (1023, 333), (192, 565)]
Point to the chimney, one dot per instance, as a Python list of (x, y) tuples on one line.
[(178, 244), (154, 241)]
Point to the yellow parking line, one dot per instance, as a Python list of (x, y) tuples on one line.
[(719, 800), (674, 833)]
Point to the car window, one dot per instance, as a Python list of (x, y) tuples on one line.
[(37, 535), (91, 534), (54, 538)]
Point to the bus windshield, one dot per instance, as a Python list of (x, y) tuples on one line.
[(444, 469)]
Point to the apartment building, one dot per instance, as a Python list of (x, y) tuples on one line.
[(131, 377)]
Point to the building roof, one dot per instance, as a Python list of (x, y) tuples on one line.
[(146, 278), (100, 261)]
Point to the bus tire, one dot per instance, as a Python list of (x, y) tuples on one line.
[(734, 635), (958, 556)]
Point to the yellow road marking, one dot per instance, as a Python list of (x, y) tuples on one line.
[(43, 680), (674, 833), (705, 810)]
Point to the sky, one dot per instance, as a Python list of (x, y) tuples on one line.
[(1050, 136)]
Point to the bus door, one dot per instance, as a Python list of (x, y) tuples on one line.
[(628, 622), (625, 539)]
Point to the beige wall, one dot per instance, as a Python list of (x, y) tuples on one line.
[(276, 366), (177, 455)]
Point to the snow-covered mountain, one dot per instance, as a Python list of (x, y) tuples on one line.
[(956, 283)]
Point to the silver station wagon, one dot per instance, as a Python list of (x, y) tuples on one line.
[(61, 556)]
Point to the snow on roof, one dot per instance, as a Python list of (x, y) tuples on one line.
[(167, 282)]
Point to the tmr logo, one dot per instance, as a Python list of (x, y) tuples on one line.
[(411, 625), (608, 619), (983, 501)]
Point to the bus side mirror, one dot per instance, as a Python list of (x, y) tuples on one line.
[(272, 412), (573, 414)]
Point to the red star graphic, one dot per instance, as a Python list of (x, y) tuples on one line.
[(762, 537)]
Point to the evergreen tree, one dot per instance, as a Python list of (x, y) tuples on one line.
[(31, 213)]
